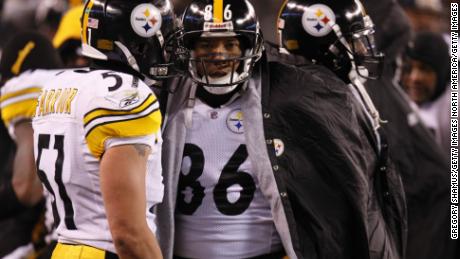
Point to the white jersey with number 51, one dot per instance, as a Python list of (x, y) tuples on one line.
[(80, 114)]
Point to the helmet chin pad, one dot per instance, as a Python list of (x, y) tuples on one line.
[(225, 81), (240, 70)]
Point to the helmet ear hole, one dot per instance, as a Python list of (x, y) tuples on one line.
[(139, 49)]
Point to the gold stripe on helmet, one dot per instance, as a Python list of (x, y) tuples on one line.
[(22, 55), (218, 11), (85, 21)]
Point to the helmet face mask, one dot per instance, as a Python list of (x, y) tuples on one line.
[(221, 51), (337, 34), (129, 32), (210, 65), (229, 66), (367, 60)]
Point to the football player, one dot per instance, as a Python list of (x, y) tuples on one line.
[(28, 61), (261, 159), (97, 134), (221, 211), (340, 36)]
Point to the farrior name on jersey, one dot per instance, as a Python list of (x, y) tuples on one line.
[(56, 101)]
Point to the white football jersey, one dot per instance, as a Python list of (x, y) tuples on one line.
[(18, 102), (19, 96), (220, 210), (80, 114)]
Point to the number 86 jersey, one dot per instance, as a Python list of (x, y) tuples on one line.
[(80, 114), (220, 210)]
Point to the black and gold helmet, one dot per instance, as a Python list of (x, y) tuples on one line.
[(221, 18), (129, 32), (27, 50), (337, 34)]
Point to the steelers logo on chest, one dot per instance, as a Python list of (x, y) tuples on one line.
[(279, 147), (235, 121)]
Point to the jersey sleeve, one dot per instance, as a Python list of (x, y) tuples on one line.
[(127, 115), (18, 104)]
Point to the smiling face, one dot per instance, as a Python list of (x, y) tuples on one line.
[(215, 53), (419, 81)]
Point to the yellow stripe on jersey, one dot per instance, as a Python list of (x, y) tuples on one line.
[(135, 127), (84, 30), (29, 90), (17, 110), (77, 252), (101, 112), (218, 11), (22, 54)]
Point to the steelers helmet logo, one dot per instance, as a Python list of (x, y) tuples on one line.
[(318, 19), (146, 20), (279, 147), (235, 121)]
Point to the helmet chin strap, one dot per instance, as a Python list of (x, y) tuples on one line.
[(221, 80), (358, 81), (359, 73), (133, 63), (356, 76), (131, 59)]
